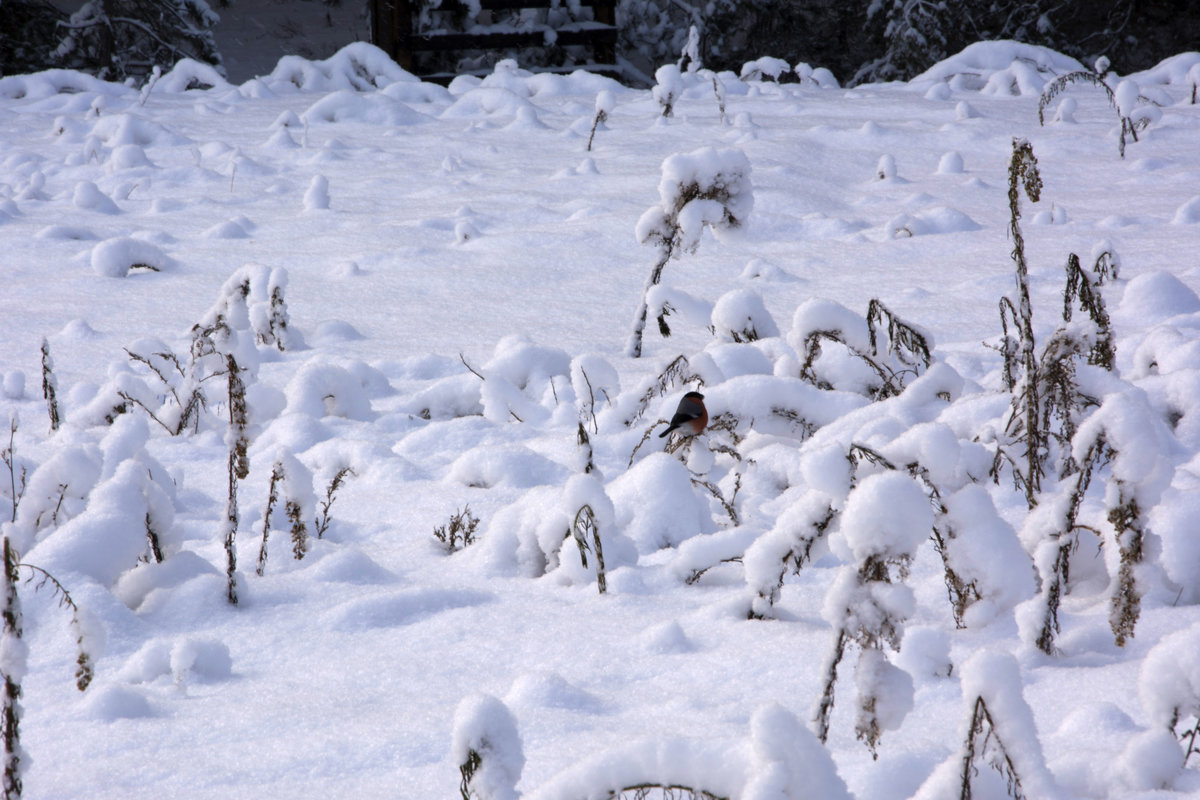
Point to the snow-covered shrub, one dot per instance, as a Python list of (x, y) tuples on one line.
[(859, 365), (1125, 99), (1128, 439), (657, 505), (486, 746), (706, 188), (291, 482), (125, 513), (596, 384), (741, 316), (788, 761), (250, 310), (886, 518), (998, 730), (459, 531), (1169, 685), (321, 522), (790, 544), (14, 656), (592, 520), (668, 88), (765, 67)]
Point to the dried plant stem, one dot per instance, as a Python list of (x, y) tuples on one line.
[(50, 386), (825, 706), (10, 461), (634, 348), (322, 522), (583, 525), (1023, 173), (272, 498), (238, 467), (983, 725), (601, 117), (13, 627)]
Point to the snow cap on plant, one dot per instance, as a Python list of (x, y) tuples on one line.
[(486, 745), (706, 187), (886, 516)]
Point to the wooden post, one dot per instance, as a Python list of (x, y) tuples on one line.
[(604, 12), (402, 21), (391, 27)]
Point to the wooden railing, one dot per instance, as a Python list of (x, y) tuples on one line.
[(392, 29)]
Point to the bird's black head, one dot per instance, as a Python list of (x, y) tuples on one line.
[(694, 395)]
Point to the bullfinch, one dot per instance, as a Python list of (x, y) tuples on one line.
[(690, 417)]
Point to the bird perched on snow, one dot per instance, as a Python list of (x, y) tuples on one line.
[(690, 417)]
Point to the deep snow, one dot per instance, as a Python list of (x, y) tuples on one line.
[(424, 238)]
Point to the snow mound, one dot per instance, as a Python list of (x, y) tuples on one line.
[(487, 103), (351, 566), (399, 610), (932, 221), (508, 465), (49, 83), (189, 74), (1188, 213), (999, 67), (550, 690), (1154, 297), (358, 67), (374, 109), (116, 258), (112, 703)]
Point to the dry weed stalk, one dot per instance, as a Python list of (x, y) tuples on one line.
[(584, 528), (238, 468), (13, 665), (982, 739), (322, 521), (8, 455), (50, 386)]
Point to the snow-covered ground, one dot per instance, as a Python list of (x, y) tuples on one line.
[(460, 277)]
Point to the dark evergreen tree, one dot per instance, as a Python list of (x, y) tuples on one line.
[(27, 35), (117, 39)]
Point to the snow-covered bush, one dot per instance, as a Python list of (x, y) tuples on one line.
[(859, 365), (741, 316), (886, 518), (1169, 685), (706, 188), (788, 761), (998, 730), (592, 521), (486, 746), (1126, 99), (1125, 438), (668, 88), (291, 483), (250, 312), (765, 67), (14, 655)]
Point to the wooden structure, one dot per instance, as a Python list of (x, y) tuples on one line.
[(393, 30)]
